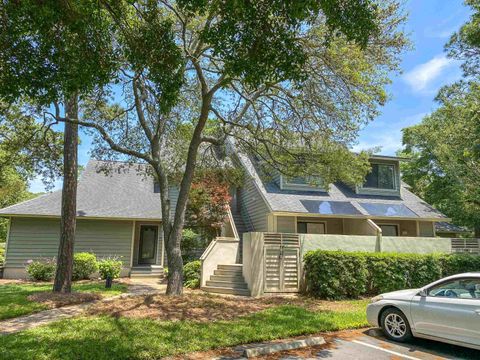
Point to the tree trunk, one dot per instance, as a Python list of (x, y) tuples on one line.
[(63, 275), (175, 263)]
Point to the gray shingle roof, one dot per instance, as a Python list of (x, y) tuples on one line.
[(295, 200), (124, 192), (443, 226)]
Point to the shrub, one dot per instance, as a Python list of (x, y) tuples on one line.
[(328, 274), (190, 242), (2, 255), (339, 274), (41, 270), (191, 274), (109, 268), (84, 265)]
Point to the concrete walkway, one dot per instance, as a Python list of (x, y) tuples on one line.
[(135, 287)]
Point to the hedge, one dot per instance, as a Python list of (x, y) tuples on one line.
[(343, 275)]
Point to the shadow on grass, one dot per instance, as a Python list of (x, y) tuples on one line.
[(126, 338)]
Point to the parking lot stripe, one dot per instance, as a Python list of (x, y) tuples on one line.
[(385, 350)]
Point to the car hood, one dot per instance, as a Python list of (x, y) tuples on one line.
[(401, 294)]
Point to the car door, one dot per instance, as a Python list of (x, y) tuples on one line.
[(450, 310)]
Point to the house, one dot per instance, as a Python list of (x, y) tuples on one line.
[(271, 222)]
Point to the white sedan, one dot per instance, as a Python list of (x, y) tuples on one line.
[(447, 310)]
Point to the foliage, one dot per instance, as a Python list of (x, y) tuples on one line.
[(135, 339), (84, 265), (41, 270), (2, 255), (340, 274), (281, 80), (14, 297), (190, 242), (191, 274), (464, 45), (207, 204), (335, 275), (109, 268), (445, 155)]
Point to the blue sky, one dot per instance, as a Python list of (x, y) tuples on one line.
[(425, 70)]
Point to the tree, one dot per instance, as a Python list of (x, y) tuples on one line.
[(51, 53), (268, 72), (465, 44), (445, 152), (27, 149), (288, 82)]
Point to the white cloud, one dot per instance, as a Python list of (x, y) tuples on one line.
[(422, 76)]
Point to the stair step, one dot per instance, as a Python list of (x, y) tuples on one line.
[(233, 278), (227, 284), (230, 267), (157, 276), (227, 273), (223, 290)]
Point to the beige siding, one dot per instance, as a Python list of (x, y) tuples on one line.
[(426, 228), (254, 209), (34, 238), (286, 224)]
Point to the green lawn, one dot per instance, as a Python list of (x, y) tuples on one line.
[(13, 297), (106, 337)]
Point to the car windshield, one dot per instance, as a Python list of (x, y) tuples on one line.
[(458, 288)]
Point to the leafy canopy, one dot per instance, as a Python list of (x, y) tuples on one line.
[(445, 152)]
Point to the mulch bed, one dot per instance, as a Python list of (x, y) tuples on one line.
[(55, 300), (200, 306)]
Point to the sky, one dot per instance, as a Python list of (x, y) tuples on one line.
[(425, 69)]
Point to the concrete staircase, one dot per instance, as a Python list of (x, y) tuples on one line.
[(147, 271), (227, 279)]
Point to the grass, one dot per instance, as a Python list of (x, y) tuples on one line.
[(14, 302), (105, 337)]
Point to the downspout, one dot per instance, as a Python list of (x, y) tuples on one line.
[(378, 231)]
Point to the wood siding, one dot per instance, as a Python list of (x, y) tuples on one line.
[(253, 207), (35, 238)]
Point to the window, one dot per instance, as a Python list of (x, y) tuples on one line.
[(464, 288), (313, 183), (389, 230), (385, 209), (330, 207), (311, 227), (382, 176), (156, 187)]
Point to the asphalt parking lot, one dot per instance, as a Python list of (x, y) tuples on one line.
[(371, 345)]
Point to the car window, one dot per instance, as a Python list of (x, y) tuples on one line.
[(458, 288)]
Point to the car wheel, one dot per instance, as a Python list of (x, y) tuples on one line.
[(395, 325)]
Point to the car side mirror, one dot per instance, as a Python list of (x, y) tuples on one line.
[(422, 293)]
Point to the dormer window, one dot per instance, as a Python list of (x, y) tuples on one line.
[(310, 183), (383, 179), (382, 176), (156, 187)]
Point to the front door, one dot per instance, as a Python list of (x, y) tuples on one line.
[(148, 244)]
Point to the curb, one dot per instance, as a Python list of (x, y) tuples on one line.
[(289, 345)]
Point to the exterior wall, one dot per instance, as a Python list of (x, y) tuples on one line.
[(36, 238), (286, 224), (417, 245), (253, 208), (253, 269), (405, 227), (357, 227)]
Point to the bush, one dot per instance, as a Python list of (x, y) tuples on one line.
[(2, 254), (191, 274), (191, 241), (84, 265), (329, 274), (41, 270), (340, 274), (110, 267)]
